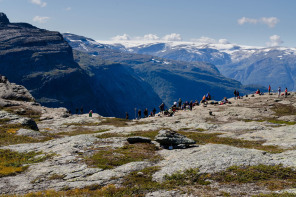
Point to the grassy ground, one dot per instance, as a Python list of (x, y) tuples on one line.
[(8, 135), (12, 163), (108, 158), (139, 183)]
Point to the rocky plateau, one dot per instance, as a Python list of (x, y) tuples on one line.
[(70, 139)]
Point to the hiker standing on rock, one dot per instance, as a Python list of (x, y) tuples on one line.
[(161, 107), (126, 115), (190, 105), (179, 103), (139, 114), (279, 92), (81, 110), (90, 113), (154, 111), (269, 88), (286, 92), (235, 94), (146, 113)]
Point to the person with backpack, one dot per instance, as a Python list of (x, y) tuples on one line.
[(161, 107)]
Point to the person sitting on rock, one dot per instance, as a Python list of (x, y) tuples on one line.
[(224, 100), (196, 103), (257, 92)]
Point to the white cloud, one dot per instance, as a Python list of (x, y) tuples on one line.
[(223, 41), (123, 37), (275, 40), (68, 8), (271, 21), (151, 37), (172, 37), (41, 19), (39, 2)]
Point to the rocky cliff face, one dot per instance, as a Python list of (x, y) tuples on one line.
[(43, 62)]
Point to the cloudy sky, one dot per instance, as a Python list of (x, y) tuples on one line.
[(246, 22)]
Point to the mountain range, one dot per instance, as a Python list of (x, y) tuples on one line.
[(78, 73), (170, 79), (264, 66)]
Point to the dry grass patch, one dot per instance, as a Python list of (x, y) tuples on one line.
[(8, 135), (273, 177), (117, 122), (283, 110), (205, 138), (12, 163), (108, 158), (285, 194)]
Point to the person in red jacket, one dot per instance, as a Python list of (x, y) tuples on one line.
[(269, 88)]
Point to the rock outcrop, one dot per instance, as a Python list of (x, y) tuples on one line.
[(168, 138), (11, 91)]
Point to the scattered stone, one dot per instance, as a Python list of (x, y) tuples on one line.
[(170, 139), (138, 139)]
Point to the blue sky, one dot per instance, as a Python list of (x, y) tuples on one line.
[(248, 22)]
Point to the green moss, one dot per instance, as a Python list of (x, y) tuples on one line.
[(205, 138), (188, 177), (12, 163), (274, 177), (108, 158)]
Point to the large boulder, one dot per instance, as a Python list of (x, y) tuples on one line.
[(171, 139), (11, 91)]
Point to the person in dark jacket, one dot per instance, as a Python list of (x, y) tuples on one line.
[(139, 114), (154, 111), (146, 113)]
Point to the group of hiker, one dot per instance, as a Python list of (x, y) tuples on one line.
[(180, 105), (145, 113)]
